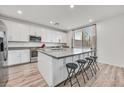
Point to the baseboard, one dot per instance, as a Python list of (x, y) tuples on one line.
[(20, 64), (117, 65)]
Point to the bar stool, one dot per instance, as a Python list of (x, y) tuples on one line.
[(95, 62), (81, 69), (71, 67), (89, 65)]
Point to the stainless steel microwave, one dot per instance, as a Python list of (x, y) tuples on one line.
[(35, 39)]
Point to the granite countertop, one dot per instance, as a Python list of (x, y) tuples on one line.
[(64, 52)]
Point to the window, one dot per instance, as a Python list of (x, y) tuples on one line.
[(85, 37), (78, 39)]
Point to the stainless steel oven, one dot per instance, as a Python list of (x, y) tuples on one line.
[(33, 55)]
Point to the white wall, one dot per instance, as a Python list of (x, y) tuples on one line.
[(110, 41)]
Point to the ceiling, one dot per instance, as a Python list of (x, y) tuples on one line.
[(67, 17)]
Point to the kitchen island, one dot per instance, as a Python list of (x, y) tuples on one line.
[(52, 62)]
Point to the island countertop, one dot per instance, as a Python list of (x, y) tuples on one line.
[(64, 52)]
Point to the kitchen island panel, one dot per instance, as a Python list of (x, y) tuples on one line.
[(45, 67)]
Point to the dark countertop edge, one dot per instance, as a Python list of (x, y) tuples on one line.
[(21, 48), (67, 55)]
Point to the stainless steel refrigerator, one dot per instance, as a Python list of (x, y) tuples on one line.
[(3, 55)]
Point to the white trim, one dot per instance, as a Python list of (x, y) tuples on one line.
[(117, 65)]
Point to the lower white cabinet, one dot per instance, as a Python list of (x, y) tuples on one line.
[(18, 56)]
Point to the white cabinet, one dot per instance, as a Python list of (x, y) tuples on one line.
[(58, 37), (43, 36), (25, 56), (20, 32), (47, 35), (17, 31), (18, 56), (64, 37), (10, 31), (35, 30), (13, 57), (53, 36)]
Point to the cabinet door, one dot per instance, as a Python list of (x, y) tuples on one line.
[(38, 31), (17, 31), (14, 57), (9, 26), (18, 57), (43, 36), (64, 38), (24, 33), (25, 56), (20, 32), (58, 37), (46, 35), (35, 30), (55, 37)]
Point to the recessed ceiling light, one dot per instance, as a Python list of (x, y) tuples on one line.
[(90, 20), (51, 22), (19, 12), (71, 6)]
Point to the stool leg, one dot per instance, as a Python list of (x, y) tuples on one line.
[(70, 81), (85, 73), (69, 77), (91, 71), (97, 65), (83, 77), (81, 71), (93, 68), (76, 78)]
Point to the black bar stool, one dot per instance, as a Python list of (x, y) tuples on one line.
[(95, 62), (89, 65), (81, 69), (71, 67)]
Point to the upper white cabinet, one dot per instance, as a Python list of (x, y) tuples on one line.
[(61, 37), (17, 31), (35, 30), (53, 36), (64, 37), (21, 32)]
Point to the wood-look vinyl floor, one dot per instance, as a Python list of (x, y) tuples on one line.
[(28, 76), (25, 76)]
